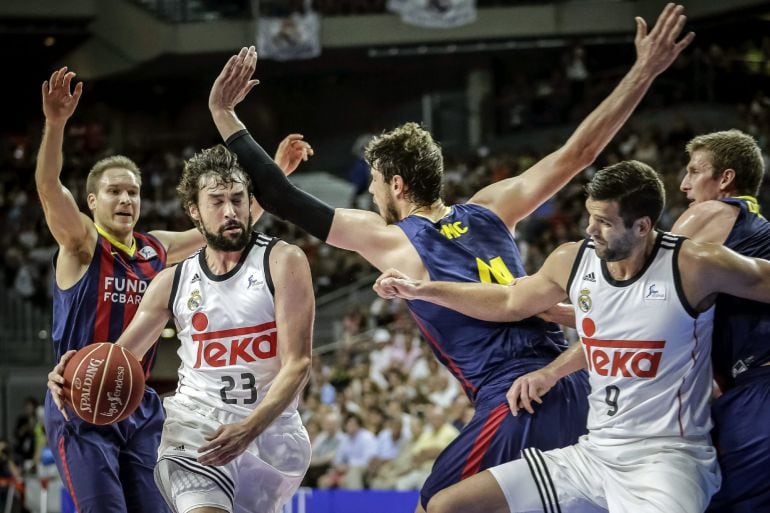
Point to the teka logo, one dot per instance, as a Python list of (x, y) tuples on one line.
[(236, 345), (627, 358)]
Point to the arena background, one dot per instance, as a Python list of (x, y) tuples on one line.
[(498, 93)]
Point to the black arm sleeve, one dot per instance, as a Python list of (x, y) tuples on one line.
[(275, 192)]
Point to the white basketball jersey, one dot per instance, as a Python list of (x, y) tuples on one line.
[(647, 352), (227, 328)]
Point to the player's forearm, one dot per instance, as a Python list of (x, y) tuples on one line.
[(49, 158), (562, 314), (571, 360), (598, 129), (227, 122), (286, 386), (275, 193), (485, 301)]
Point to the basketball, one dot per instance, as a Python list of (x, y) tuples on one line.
[(104, 383)]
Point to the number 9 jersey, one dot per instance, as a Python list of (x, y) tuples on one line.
[(227, 328), (647, 351)]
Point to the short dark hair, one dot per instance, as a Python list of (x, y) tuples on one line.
[(733, 149), (634, 185), (114, 162), (217, 162), (410, 152)]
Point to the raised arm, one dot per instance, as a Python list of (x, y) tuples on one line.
[(355, 230), (515, 198), (490, 302), (294, 314), (74, 231)]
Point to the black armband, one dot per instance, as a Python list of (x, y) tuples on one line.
[(275, 193)]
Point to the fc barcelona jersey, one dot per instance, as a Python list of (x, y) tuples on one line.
[(741, 326), (472, 244), (102, 303)]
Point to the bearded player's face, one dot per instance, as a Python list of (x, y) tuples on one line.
[(223, 214)]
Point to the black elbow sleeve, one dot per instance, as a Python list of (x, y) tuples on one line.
[(275, 192)]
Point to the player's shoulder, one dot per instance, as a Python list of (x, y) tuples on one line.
[(288, 253), (706, 221)]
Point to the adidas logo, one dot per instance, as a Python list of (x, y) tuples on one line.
[(195, 278), (590, 277), (179, 448)]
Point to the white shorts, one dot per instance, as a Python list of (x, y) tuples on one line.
[(261, 479), (671, 475)]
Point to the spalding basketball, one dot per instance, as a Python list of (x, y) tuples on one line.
[(103, 383)]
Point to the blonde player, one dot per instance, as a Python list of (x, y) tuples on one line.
[(644, 314)]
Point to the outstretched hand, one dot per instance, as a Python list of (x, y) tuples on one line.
[(234, 82), (56, 382), (292, 150), (656, 50), (59, 102), (395, 284)]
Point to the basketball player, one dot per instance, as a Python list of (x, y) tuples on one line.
[(102, 269), (468, 242), (644, 314), (722, 180), (244, 307)]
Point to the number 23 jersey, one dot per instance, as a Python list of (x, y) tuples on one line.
[(226, 325), (647, 351)]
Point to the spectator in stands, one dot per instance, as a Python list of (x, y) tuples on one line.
[(325, 448), (352, 459), (24, 433)]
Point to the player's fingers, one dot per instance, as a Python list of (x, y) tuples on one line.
[(641, 30), (673, 34), (78, 91), (672, 20), (67, 80), (661, 21), (685, 42)]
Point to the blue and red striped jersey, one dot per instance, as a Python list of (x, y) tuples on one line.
[(472, 244), (102, 303)]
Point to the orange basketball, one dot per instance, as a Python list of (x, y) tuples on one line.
[(104, 383)]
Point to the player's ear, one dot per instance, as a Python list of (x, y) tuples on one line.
[(728, 179), (194, 213), (398, 185), (91, 201), (643, 226)]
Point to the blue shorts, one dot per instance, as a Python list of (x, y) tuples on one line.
[(109, 469), (742, 437), (494, 436)]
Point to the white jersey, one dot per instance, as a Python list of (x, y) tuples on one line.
[(227, 328), (647, 351)]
